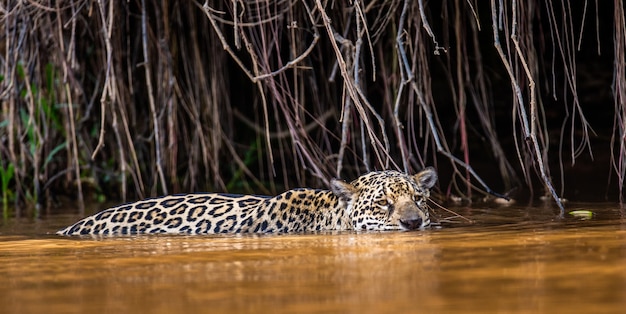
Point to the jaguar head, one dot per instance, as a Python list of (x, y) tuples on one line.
[(387, 200)]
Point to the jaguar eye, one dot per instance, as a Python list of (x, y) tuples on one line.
[(382, 203)]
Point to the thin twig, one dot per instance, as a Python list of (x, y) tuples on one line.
[(406, 76), (428, 29), (440, 148), (284, 134), (155, 122), (529, 131), (259, 76), (408, 79)]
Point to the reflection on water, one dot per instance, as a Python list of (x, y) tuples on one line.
[(523, 265)]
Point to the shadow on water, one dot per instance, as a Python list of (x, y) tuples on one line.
[(509, 259)]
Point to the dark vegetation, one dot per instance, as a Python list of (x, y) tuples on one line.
[(130, 99)]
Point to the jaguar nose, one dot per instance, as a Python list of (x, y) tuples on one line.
[(412, 224)]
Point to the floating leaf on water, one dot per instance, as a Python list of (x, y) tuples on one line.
[(584, 214)]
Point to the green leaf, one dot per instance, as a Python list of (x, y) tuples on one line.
[(20, 70), (54, 152), (582, 214), (50, 76), (6, 175)]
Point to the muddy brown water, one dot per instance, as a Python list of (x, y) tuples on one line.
[(510, 259)]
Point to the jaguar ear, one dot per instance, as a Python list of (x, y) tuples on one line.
[(426, 178), (342, 189)]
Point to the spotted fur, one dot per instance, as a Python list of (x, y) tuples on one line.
[(382, 200)]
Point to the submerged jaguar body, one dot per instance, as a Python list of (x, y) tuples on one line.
[(380, 200)]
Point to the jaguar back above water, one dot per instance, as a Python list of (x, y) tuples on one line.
[(379, 200)]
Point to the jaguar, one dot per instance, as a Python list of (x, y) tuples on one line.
[(379, 200)]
